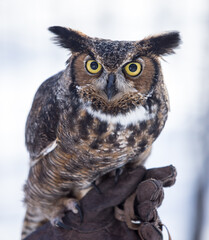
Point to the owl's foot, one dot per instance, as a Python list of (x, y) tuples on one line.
[(68, 204)]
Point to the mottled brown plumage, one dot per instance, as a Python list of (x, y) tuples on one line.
[(89, 120)]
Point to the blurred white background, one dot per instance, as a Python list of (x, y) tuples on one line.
[(28, 57)]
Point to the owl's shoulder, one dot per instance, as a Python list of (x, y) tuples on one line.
[(43, 117), (48, 86)]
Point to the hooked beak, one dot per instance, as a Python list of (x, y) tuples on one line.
[(110, 88)]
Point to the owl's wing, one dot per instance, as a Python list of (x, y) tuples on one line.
[(42, 121)]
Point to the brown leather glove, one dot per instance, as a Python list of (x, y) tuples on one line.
[(98, 209), (140, 209)]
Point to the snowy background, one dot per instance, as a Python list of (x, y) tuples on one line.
[(28, 57)]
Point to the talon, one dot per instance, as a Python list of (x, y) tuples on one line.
[(118, 172), (59, 224), (96, 187), (79, 212)]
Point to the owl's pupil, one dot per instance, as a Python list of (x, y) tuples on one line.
[(94, 65), (133, 67)]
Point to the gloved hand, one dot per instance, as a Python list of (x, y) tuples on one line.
[(99, 221), (140, 209)]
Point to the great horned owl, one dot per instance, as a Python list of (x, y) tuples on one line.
[(101, 113)]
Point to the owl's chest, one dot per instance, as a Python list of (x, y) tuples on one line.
[(91, 137), (90, 146)]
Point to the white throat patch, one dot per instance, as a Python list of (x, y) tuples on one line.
[(139, 114)]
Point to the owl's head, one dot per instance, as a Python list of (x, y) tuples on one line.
[(115, 77)]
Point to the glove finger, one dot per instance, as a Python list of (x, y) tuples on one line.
[(150, 190), (165, 174), (113, 193), (147, 212), (148, 231)]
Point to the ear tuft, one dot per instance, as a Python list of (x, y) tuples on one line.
[(162, 44), (70, 39)]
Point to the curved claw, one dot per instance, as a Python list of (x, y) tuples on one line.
[(96, 187), (60, 224), (79, 212), (118, 172)]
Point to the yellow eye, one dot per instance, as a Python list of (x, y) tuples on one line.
[(133, 69), (93, 66)]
